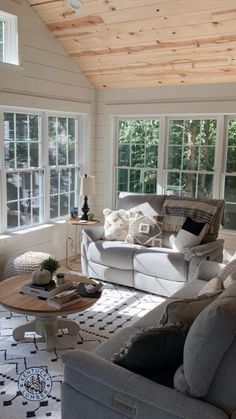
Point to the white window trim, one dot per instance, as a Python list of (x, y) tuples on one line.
[(11, 55), (219, 172), (43, 162)]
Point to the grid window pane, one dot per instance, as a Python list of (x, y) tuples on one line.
[(63, 149), (230, 177), (24, 177), (138, 141), (191, 150), (2, 29)]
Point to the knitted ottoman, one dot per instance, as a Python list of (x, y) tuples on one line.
[(24, 263)]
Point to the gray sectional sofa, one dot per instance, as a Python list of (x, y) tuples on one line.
[(94, 387), (162, 271)]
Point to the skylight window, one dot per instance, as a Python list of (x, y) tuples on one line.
[(8, 38)]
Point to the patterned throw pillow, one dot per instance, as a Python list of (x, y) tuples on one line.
[(116, 224), (145, 230), (190, 235)]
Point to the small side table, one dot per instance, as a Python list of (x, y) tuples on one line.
[(79, 225)]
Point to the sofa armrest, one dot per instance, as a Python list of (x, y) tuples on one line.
[(204, 249), (93, 233), (208, 269), (130, 394)]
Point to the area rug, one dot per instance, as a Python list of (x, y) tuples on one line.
[(117, 308)]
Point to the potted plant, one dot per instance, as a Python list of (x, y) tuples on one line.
[(50, 264)]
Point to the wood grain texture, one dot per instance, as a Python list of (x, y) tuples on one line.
[(11, 298), (146, 42)]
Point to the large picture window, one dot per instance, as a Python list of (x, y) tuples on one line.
[(63, 162), (137, 162), (185, 156), (24, 173), (39, 167), (191, 157)]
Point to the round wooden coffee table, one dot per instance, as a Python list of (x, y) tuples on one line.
[(47, 319)]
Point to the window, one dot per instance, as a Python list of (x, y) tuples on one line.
[(24, 174), (8, 38), (230, 175), (178, 156), (63, 162), (39, 173), (191, 157), (138, 141)]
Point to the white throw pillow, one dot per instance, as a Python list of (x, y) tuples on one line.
[(190, 235), (116, 224), (229, 269), (212, 287)]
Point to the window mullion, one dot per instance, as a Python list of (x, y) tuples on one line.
[(162, 155), (44, 147), (3, 194), (220, 157)]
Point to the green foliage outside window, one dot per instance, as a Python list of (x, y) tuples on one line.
[(137, 155)]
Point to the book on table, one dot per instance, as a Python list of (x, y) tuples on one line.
[(64, 299), (46, 291)]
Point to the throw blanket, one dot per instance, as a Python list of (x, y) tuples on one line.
[(175, 210)]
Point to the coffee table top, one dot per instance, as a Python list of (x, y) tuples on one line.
[(13, 300)]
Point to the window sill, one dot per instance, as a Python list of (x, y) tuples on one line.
[(10, 234)]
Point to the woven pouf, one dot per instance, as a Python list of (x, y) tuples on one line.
[(24, 263)]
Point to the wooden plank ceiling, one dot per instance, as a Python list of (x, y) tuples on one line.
[(137, 43)]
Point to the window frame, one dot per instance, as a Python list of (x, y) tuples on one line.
[(219, 173), (142, 169), (43, 161), (11, 53)]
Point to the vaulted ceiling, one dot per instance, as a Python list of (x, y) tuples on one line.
[(137, 43)]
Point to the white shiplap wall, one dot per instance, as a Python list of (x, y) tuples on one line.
[(47, 78), (207, 99)]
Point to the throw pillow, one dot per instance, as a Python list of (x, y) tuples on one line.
[(209, 353), (145, 230), (154, 348), (212, 287), (116, 224), (229, 280), (190, 235), (185, 311), (229, 269)]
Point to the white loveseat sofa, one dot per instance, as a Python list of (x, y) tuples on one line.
[(160, 270)]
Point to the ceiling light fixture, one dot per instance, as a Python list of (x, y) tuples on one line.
[(75, 4)]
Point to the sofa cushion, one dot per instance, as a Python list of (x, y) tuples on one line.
[(229, 269), (185, 311), (149, 204), (209, 345), (190, 235), (212, 287), (152, 349), (161, 262), (144, 229), (115, 254), (116, 224)]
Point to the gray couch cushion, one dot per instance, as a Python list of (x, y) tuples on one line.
[(211, 344), (185, 311), (162, 262), (149, 204), (115, 254)]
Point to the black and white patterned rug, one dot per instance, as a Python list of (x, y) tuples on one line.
[(118, 307)]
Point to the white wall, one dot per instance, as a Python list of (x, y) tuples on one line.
[(207, 99), (47, 78)]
